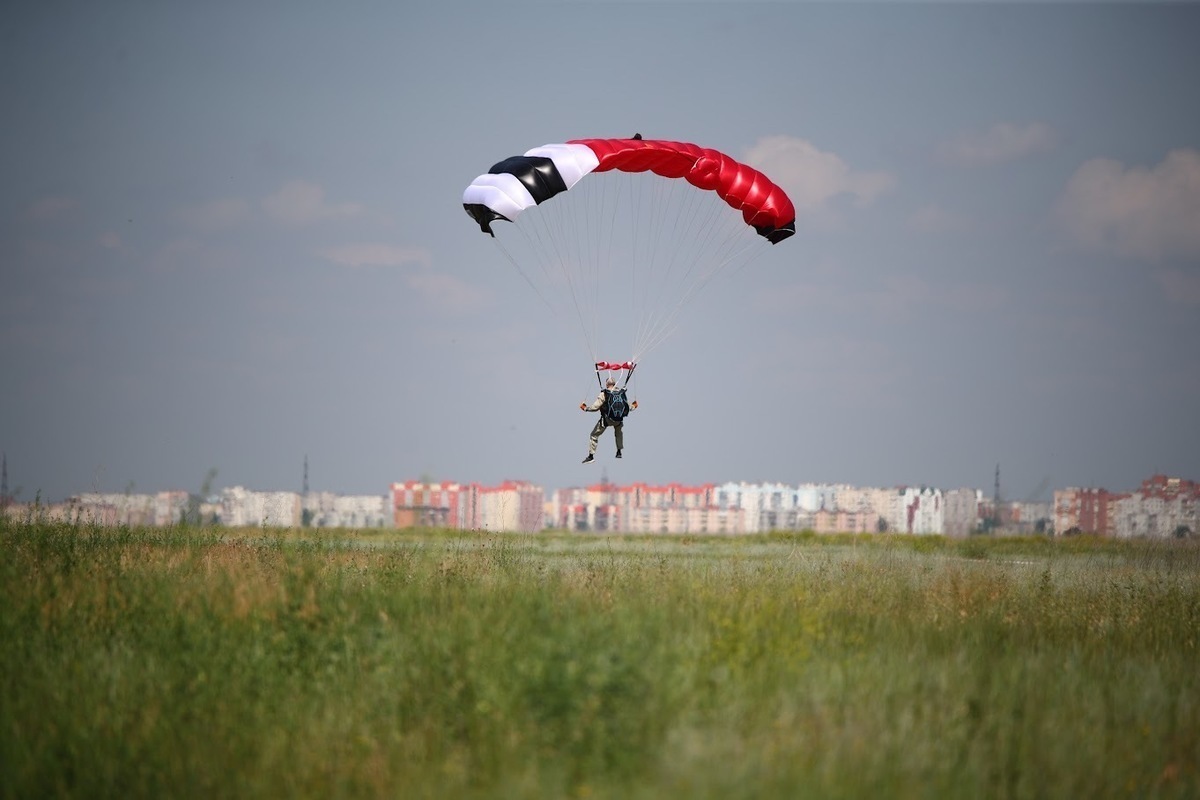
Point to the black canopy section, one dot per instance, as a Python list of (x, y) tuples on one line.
[(538, 173)]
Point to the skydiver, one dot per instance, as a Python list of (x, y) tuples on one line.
[(602, 405)]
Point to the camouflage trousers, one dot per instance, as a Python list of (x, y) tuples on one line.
[(601, 424)]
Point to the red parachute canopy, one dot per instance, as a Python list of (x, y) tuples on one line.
[(613, 365), (763, 204)]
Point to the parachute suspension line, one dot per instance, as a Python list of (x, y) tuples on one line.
[(554, 232), (708, 225), (610, 217), (543, 250), (740, 264), (666, 323), (602, 202), (576, 270), (642, 274), (704, 222), (646, 221), (660, 260), (714, 238), (702, 235), (625, 295), (598, 211), (521, 272), (604, 250), (583, 233), (669, 195)]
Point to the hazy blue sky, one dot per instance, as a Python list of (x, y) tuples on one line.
[(231, 235)]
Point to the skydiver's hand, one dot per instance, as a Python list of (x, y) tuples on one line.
[(635, 403), (583, 406)]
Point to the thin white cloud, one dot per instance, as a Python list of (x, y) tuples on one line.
[(377, 255), (812, 177), (446, 292), (440, 291), (1002, 143), (1138, 212), (186, 254), (222, 214), (303, 203), (897, 297), (50, 207)]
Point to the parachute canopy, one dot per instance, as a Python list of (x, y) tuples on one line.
[(617, 236), (515, 184)]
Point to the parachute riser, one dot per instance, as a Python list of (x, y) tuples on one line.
[(628, 366)]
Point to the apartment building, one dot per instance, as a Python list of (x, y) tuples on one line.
[(240, 507), (1161, 508), (1078, 510), (329, 510)]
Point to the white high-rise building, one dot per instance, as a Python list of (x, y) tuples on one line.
[(242, 508)]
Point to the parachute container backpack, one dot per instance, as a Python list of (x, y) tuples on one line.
[(616, 404), (617, 236)]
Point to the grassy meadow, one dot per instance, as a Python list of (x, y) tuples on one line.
[(437, 664)]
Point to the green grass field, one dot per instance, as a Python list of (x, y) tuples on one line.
[(258, 663)]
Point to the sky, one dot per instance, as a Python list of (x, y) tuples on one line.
[(232, 238)]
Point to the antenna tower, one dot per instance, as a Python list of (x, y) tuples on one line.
[(306, 512), (996, 500)]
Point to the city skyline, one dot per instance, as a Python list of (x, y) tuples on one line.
[(1162, 507)]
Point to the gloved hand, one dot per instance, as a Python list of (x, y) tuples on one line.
[(634, 403), (583, 406)]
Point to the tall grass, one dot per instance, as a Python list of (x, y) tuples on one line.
[(260, 663)]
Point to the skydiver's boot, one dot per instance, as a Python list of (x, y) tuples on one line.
[(590, 458), (618, 454)]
